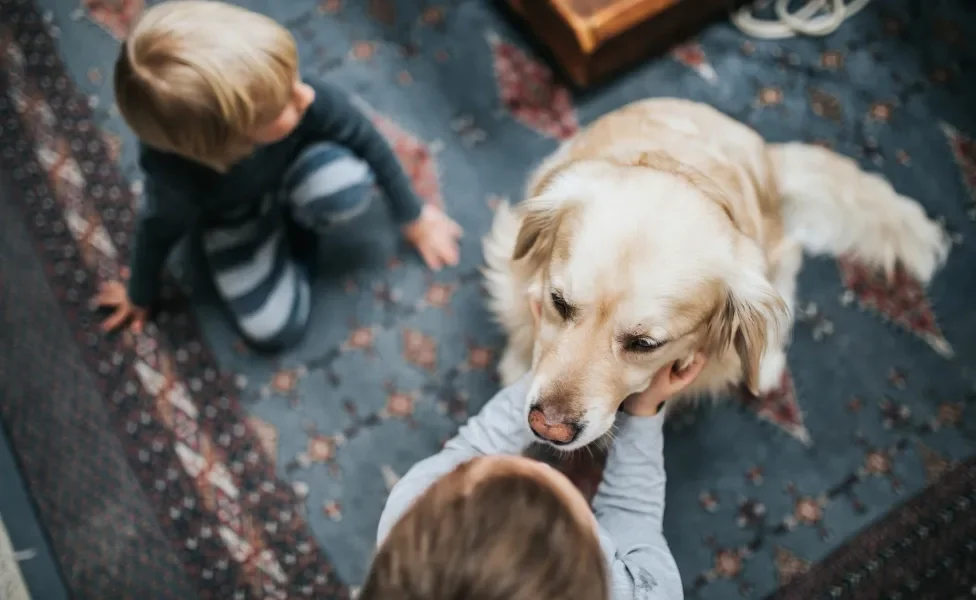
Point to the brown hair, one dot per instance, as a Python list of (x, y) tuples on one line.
[(196, 77), (508, 537)]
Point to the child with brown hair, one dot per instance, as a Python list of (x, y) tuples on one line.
[(480, 522), (234, 143)]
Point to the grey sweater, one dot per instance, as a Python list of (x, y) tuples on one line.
[(629, 504)]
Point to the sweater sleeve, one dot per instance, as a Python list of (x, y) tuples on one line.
[(498, 429), (629, 507), (334, 117), (166, 213)]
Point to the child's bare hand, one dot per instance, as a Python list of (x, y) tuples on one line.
[(112, 294), (435, 236), (666, 383)]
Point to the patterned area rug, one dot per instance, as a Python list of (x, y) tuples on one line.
[(177, 464)]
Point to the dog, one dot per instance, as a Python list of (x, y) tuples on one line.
[(667, 228)]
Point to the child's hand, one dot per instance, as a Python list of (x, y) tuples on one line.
[(112, 294), (666, 383), (435, 236)]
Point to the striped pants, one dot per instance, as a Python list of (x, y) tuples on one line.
[(261, 261)]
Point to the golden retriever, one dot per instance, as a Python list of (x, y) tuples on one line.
[(667, 228)]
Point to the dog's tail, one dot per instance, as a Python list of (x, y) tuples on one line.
[(833, 207), (506, 299)]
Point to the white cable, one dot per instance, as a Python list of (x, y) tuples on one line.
[(805, 21)]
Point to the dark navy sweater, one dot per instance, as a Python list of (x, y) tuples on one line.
[(181, 193)]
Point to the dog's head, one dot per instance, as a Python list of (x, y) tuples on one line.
[(635, 269)]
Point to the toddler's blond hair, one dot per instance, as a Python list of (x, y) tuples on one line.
[(509, 537), (197, 77)]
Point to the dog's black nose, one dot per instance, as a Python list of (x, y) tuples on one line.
[(550, 427)]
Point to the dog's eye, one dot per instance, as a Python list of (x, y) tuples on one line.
[(562, 307), (642, 344)]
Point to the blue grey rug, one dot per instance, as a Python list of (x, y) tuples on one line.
[(262, 471)]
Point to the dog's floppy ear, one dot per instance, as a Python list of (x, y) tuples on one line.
[(752, 315), (541, 217)]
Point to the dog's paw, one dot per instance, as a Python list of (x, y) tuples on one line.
[(771, 370)]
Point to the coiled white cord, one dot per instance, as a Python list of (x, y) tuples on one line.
[(805, 21)]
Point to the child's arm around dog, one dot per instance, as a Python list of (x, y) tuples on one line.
[(629, 503)]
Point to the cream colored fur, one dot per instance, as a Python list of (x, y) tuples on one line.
[(670, 220)]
